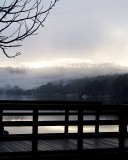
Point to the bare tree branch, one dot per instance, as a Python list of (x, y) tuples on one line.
[(20, 19)]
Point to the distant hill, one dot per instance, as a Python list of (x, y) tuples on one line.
[(27, 77)]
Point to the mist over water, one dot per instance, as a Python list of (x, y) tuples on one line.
[(29, 78)]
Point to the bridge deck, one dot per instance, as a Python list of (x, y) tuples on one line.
[(60, 148), (59, 144)]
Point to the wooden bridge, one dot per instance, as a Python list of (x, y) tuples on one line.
[(112, 141)]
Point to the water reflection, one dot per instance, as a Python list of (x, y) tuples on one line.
[(104, 100), (58, 129)]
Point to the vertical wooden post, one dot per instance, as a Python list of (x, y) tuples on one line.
[(1, 118), (97, 121), (122, 129), (80, 130), (35, 132), (66, 120)]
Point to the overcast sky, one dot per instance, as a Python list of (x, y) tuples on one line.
[(90, 30)]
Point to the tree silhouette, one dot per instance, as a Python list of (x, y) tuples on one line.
[(20, 19)]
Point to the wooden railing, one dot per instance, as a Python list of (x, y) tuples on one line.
[(114, 115)]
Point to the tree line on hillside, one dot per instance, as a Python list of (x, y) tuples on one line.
[(109, 85)]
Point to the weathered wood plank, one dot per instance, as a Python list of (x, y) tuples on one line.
[(52, 145)]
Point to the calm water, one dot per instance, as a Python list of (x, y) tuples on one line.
[(16, 97), (104, 100), (57, 129)]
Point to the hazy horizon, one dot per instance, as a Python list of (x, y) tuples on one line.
[(27, 77)]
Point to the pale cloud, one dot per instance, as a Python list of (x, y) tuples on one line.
[(90, 29)]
